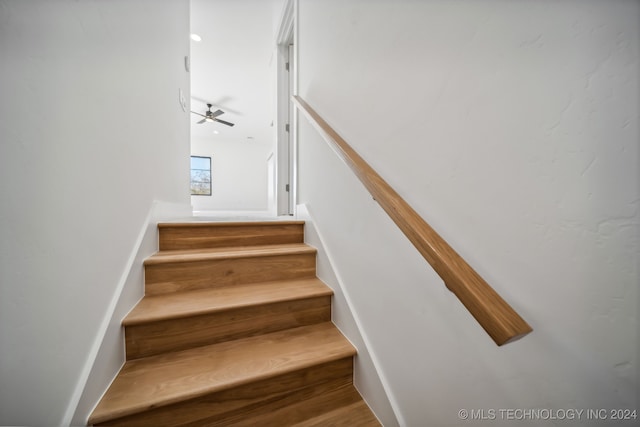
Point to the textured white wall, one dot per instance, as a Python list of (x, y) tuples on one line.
[(367, 378), (512, 127), (239, 175), (92, 133)]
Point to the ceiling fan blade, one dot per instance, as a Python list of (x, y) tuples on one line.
[(202, 121), (198, 114), (223, 122), (222, 102), (217, 113)]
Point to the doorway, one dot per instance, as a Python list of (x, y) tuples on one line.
[(241, 134), (287, 86)]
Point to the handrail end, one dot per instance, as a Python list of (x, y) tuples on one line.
[(515, 337)]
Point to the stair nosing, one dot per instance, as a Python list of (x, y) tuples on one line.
[(227, 224), (123, 411), (137, 321), (236, 252)]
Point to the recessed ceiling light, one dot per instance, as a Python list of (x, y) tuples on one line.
[(195, 37), (216, 132)]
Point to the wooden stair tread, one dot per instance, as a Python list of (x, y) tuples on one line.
[(189, 255), (156, 381), (234, 329), (328, 404), (357, 414), (180, 304)]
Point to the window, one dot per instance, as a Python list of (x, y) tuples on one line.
[(200, 176)]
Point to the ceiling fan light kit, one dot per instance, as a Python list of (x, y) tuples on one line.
[(212, 116)]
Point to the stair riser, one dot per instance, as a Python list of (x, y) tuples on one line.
[(180, 334), (264, 395), (199, 236), (162, 278), (254, 359)]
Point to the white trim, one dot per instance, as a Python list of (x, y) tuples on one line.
[(286, 167), (286, 23), (294, 122), (282, 152)]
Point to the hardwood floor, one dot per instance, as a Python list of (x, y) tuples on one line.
[(234, 330)]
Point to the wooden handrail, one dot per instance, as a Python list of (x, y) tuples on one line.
[(500, 321)]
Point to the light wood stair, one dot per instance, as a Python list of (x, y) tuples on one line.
[(234, 330)]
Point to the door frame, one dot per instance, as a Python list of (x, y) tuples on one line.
[(287, 80)]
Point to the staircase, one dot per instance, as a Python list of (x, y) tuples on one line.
[(234, 330)]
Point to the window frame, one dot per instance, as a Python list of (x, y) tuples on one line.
[(191, 186)]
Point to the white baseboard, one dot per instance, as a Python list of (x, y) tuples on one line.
[(107, 353)]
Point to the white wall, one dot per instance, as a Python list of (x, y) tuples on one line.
[(239, 175), (107, 356), (512, 128), (366, 377), (92, 133)]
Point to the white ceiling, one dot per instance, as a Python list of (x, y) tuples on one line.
[(232, 68)]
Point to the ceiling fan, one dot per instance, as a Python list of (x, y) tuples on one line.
[(212, 116)]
